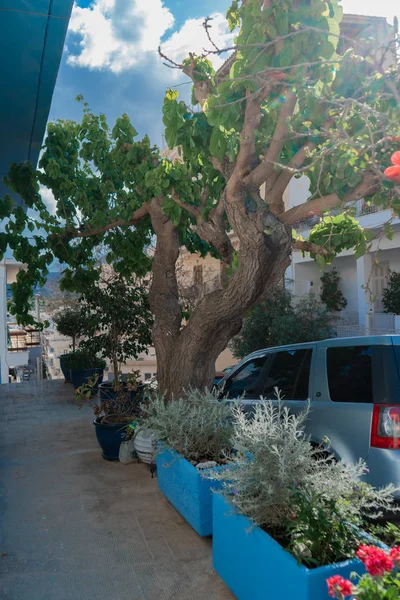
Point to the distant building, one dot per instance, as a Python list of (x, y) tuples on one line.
[(19, 346)]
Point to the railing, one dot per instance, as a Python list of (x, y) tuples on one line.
[(362, 208), (16, 343)]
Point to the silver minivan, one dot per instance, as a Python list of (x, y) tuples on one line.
[(354, 388)]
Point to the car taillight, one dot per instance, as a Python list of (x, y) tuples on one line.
[(385, 428)]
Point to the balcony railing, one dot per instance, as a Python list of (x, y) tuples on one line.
[(362, 208), (20, 340), (16, 342)]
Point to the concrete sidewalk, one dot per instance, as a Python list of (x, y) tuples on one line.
[(76, 527)]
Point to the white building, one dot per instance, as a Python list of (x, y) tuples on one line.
[(14, 348), (363, 280)]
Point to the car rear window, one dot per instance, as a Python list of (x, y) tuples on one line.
[(350, 374)]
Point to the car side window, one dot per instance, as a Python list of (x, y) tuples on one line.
[(350, 374), (290, 374), (246, 380)]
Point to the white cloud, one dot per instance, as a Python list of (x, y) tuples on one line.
[(48, 199), (117, 35), (193, 38)]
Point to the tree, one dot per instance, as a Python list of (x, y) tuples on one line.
[(331, 295), (391, 294), (276, 322), (286, 105), (72, 323), (118, 318)]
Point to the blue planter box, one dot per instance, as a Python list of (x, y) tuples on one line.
[(255, 567), (187, 490)]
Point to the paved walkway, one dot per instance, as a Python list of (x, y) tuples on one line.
[(76, 527)]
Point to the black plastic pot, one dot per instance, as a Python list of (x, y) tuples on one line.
[(65, 372), (110, 436), (81, 376)]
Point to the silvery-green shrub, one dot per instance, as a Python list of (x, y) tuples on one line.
[(198, 426)]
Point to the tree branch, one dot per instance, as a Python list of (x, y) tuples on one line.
[(309, 247), (252, 118), (369, 185), (261, 173), (201, 88), (137, 216), (278, 182), (192, 210)]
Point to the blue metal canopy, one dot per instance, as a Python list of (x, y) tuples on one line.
[(32, 34)]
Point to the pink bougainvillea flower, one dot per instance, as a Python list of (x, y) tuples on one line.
[(377, 562), (338, 585)]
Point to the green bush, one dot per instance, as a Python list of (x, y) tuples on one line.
[(331, 295), (276, 322), (391, 294), (82, 360)]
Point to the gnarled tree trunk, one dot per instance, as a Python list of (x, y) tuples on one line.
[(186, 354)]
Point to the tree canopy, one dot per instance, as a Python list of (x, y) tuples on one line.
[(284, 105)]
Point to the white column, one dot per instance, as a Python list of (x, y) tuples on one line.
[(3, 324), (364, 269)]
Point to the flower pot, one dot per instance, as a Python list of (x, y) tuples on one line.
[(189, 491), (110, 436), (81, 376), (255, 566), (65, 372), (144, 446)]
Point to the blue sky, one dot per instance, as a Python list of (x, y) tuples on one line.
[(111, 55)]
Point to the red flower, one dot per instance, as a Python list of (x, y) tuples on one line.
[(376, 560), (393, 173), (339, 585), (395, 158), (395, 555)]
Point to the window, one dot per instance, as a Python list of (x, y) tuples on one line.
[(198, 275), (350, 374), (290, 373), (147, 376), (246, 381)]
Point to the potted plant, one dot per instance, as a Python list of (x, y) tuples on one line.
[(119, 324), (290, 516), (83, 366), (192, 434), (112, 415), (71, 323)]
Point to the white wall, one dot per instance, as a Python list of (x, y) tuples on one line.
[(3, 325)]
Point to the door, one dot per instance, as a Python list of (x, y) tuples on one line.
[(343, 395)]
